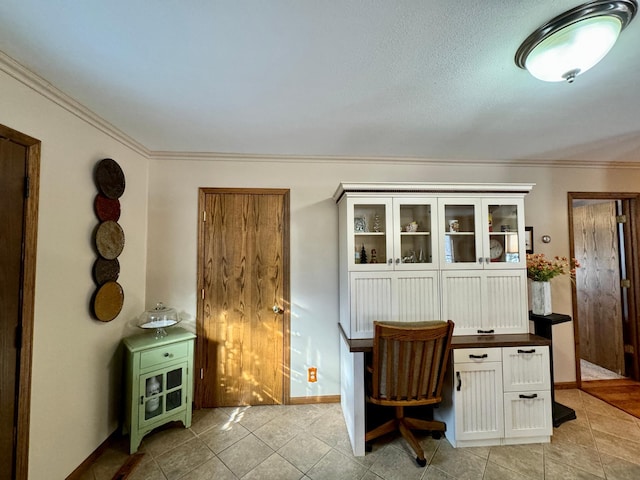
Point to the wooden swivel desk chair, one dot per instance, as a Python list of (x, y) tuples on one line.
[(408, 369)]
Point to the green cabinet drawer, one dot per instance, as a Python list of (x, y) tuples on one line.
[(166, 353)]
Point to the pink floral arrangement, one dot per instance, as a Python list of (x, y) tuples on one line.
[(541, 269)]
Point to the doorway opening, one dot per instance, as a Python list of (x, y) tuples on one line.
[(604, 239)]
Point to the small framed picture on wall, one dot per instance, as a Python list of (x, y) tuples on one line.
[(528, 239)]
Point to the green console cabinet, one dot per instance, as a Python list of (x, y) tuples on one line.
[(159, 382)]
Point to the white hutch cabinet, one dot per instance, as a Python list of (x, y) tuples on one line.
[(428, 251), (425, 251)]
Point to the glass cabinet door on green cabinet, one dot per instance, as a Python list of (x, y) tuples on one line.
[(161, 392)]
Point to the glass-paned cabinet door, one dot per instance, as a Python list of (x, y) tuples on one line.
[(152, 393), (415, 240), (175, 389), (370, 241), (460, 233), (504, 244)]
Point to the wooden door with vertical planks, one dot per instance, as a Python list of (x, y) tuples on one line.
[(243, 310), (599, 297)]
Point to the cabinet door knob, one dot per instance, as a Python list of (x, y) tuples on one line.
[(479, 259), (390, 261), (397, 261)]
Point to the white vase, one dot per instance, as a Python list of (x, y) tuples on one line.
[(541, 298)]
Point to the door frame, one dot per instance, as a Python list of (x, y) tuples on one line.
[(286, 290), (632, 249), (33, 147)]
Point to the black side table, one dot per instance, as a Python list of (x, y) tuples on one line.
[(542, 327)]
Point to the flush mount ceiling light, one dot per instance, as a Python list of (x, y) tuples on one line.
[(573, 42)]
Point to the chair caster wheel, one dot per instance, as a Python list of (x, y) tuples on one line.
[(368, 447), (422, 462), (436, 435)]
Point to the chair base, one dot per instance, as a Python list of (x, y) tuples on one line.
[(405, 425)]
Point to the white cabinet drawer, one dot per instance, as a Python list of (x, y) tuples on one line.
[(477, 355), (166, 353), (526, 368), (527, 414)]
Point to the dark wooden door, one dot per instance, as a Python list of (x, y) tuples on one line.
[(19, 181), (598, 287), (243, 312), (13, 171)]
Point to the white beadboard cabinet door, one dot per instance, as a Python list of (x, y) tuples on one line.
[(485, 302), (527, 414), (392, 296), (371, 298), (417, 296), (478, 401), (526, 368)]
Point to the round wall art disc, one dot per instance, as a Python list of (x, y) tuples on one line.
[(108, 301), (109, 240), (106, 270), (107, 208), (110, 178)]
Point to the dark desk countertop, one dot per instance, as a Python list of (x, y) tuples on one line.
[(462, 341)]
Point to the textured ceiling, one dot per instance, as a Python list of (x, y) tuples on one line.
[(423, 78)]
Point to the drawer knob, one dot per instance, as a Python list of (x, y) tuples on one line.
[(167, 354)]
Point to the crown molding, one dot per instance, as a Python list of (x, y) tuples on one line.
[(57, 96), (323, 159), (47, 90)]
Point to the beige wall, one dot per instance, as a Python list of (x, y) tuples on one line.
[(76, 360), (314, 290)]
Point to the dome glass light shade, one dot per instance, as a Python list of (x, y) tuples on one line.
[(574, 49)]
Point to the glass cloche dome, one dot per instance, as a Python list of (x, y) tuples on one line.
[(159, 318)]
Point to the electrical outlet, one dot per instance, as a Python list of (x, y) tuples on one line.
[(312, 375)]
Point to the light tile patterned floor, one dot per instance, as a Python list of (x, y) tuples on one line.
[(310, 442)]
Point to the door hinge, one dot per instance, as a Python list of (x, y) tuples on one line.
[(204, 216), (27, 187), (629, 349), (202, 374), (202, 293), (621, 218), (18, 337), (625, 283)]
